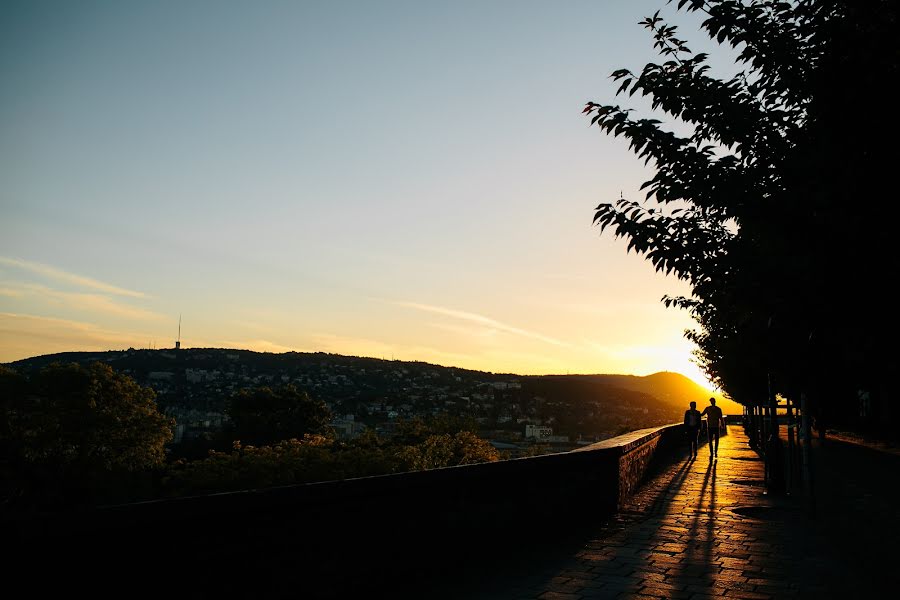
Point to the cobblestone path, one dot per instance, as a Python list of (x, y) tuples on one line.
[(707, 529)]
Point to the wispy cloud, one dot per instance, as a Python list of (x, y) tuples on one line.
[(25, 335), (71, 278), (358, 346), (95, 303), (483, 321), (467, 331)]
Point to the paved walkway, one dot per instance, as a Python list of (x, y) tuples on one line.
[(705, 529)]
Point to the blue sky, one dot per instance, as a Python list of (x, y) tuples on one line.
[(407, 179)]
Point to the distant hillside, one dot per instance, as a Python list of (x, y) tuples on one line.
[(672, 388), (665, 389), (142, 360)]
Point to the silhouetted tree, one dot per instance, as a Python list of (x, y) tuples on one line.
[(445, 450), (319, 458), (266, 415), (770, 205), (416, 430), (73, 433), (250, 467)]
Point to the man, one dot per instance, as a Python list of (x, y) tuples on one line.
[(714, 420), (692, 426)]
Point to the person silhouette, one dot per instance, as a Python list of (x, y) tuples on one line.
[(692, 426), (714, 420)]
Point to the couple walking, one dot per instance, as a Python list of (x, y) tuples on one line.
[(714, 420)]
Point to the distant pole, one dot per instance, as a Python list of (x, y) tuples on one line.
[(807, 452), (775, 466), (772, 441), (764, 444), (806, 421), (790, 445)]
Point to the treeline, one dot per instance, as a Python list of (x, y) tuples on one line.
[(770, 208), (81, 435), (321, 458)]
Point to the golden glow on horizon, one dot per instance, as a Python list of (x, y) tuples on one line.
[(25, 335), (542, 334)]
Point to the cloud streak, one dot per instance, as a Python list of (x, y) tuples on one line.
[(29, 335), (358, 346), (95, 303), (483, 321), (72, 278)]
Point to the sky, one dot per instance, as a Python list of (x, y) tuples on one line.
[(408, 180)]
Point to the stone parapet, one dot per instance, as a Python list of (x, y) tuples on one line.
[(326, 530)]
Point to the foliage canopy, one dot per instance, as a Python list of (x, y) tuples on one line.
[(770, 207), (68, 430), (320, 458), (265, 415)]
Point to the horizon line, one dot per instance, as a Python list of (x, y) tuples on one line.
[(183, 349)]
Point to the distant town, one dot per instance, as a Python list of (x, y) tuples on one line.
[(514, 412)]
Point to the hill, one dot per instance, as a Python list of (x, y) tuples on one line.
[(193, 385), (672, 388)]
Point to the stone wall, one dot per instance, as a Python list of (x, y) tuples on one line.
[(348, 536), (636, 453)]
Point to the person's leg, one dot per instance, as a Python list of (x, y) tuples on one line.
[(716, 453)]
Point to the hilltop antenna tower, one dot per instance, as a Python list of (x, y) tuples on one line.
[(178, 341)]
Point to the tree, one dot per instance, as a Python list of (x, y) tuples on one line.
[(319, 458), (445, 450), (72, 432), (417, 430), (252, 467), (767, 208), (266, 415)]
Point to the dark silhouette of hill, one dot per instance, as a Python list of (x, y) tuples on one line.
[(373, 377), (139, 360), (672, 388)]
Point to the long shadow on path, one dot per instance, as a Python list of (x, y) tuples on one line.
[(708, 528), (557, 560)]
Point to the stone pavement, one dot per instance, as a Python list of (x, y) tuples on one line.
[(704, 529)]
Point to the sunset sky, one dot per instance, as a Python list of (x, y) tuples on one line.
[(392, 179)]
